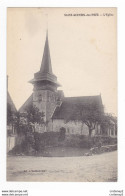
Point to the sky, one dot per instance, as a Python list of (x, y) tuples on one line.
[(83, 51)]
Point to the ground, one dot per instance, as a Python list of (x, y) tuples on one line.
[(96, 168)]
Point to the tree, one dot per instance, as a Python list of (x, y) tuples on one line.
[(26, 125), (89, 114), (107, 122), (34, 115), (25, 122)]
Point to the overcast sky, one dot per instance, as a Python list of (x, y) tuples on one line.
[(82, 48)]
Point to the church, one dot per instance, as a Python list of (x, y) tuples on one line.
[(56, 107)]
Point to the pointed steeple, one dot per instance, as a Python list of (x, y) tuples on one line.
[(45, 73), (46, 66)]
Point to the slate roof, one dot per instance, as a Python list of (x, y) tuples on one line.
[(9, 101), (67, 106), (27, 103)]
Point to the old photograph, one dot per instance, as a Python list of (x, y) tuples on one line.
[(62, 94)]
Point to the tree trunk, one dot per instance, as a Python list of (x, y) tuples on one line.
[(90, 131)]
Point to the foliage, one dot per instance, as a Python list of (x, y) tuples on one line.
[(25, 122), (34, 115), (107, 122), (89, 114), (45, 139), (92, 115), (36, 142)]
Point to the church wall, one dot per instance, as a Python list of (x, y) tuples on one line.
[(71, 127), (39, 100), (51, 104), (45, 101), (40, 128)]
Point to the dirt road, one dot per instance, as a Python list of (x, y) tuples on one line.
[(97, 168)]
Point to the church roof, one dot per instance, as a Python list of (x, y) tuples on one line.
[(10, 102), (67, 106), (45, 72), (27, 103)]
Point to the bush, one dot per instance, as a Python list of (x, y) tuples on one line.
[(86, 143), (23, 148), (35, 143), (104, 140), (102, 149), (45, 139)]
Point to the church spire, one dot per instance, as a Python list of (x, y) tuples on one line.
[(45, 73), (46, 66)]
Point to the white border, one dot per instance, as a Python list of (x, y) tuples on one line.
[(64, 188)]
